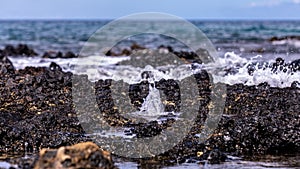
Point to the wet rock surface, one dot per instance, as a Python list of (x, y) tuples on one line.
[(37, 111), (267, 120), (295, 65)]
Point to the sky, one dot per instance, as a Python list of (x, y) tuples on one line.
[(112, 9)]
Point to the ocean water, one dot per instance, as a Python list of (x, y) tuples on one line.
[(242, 37), (238, 45)]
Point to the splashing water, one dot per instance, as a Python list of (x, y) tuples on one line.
[(151, 109), (152, 105), (232, 69), (262, 72)]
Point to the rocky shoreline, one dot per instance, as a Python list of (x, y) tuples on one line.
[(37, 111)]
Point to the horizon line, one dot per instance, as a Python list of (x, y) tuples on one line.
[(189, 19)]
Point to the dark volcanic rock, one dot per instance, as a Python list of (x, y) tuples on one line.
[(20, 50), (24, 50), (54, 55), (124, 52), (6, 66), (295, 84), (163, 47), (47, 55), (82, 155), (138, 92), (136, 46), (264, 119), (184, 55), (188, 56), (37, 111), (257, 121), (295, 65), (59, 55), (70, 55), (24, 163), (278, 66), (216, 157), (275, 38), (9, 50), (171, 90), (53, 66)]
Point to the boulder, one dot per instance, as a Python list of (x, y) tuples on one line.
[(81, 155)]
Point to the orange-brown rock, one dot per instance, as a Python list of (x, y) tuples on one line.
[(82, 155)]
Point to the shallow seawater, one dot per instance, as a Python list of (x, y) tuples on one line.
[(278, 162), (238, 36), (233, 163), (16, 161)]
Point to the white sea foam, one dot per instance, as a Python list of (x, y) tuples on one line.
[(293, 42), (104, 67), (260, 74), (6, 165)]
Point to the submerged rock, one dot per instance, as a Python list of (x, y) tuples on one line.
[(82, 155)]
